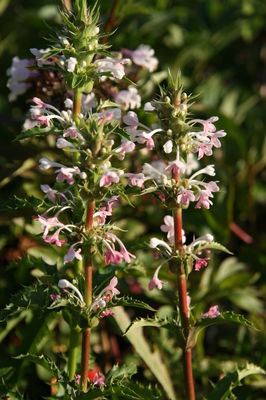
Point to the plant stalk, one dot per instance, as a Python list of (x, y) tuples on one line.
[(74, 334), (183, 306), (73, 350), (88, 265)]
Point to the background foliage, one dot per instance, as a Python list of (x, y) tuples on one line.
[(220, 49)]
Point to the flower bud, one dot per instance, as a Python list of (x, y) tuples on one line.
[(83, 175)]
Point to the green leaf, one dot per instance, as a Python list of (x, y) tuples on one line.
[(121, 372), (129, 302), (15, 203), (41, 360), (37, 131), (233, 379), (152, 359), (214, 246), (203, 323)]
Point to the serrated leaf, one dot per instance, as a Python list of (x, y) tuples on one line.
[(233, 379), (214, 246), (130, 302), (15, 203), (203, 323), (152, 359), (37, 131), (41, 360), (121, 372)]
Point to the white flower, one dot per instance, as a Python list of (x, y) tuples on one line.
[(71, 64), (63, 143), (65, 284), (39, 54), (88, 101), (45, 164), (111, 66), (68, 103), (148, 106), (168, 147), (155, 243)]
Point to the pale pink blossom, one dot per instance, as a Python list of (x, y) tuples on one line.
[(212, 313), (54, 239), (67, 174), (111, 68), (156, 282), (73, 133), (202, 198), (108, 178), (128, 98), (143, 56), (185, 196), (131, 119), (169, 228), (39, 103), (98, 379), (72, 254), (135, 179), (126, 147)]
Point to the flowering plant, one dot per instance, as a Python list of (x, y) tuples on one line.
[(93, 137)]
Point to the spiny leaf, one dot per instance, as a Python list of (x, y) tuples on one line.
[(121, 372), (152, 359), (203, 323), (43, 361), (214, 246), (130, 302), (37, 131), (233, 379), (15, 203)]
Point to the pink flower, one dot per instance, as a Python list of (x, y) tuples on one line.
[(111, 289), (126, 147), (48, 223), (54, 239), (204, 149), (208, 126), (98, 379), (66, 174), (106, 210), (72, 254), (203, 199), (136, 179), (77, 378), (156, 281), (43, 120), (212, 313), (73, 133), (54, 297), (112, 256), (176, 167), (126, 255), (200, 263), (39, 103), (106, 117), (108, 178), (169, 228), (185, 196), (131, 119), (106, 313)]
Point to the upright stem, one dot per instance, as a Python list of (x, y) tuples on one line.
[(183, 306), (74, 334), (88, 300)]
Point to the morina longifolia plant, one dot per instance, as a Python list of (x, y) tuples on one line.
[(175, 178), (74, 213)]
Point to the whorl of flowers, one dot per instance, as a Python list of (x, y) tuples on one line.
[(176, 178)]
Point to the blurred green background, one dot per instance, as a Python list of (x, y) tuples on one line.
[(220, 48)]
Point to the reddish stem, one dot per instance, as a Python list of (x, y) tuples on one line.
[(88, 300), (183, 306), (111, 20)]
